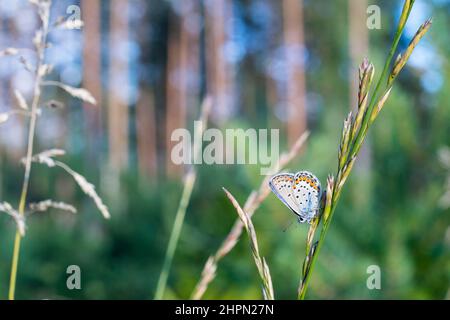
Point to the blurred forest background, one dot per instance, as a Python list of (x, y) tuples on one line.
[(289, 64)]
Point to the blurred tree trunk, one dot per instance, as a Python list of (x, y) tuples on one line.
[(271, 97), (17, 125), (218, 71), (118, 85), (294, 48), (146, 132), (358, 43), (92, 73), (358, 49), (191, 21), (175, 100), (146, 128), (182, 73)]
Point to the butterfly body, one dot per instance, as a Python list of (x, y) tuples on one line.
[(300, 192)]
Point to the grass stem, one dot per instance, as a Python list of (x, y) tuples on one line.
[(40, 47), (349, 149), (181, 212), (252, 203)]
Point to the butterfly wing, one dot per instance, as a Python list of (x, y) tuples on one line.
[(307, 192), (282, 184)]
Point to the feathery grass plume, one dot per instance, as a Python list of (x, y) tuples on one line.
[(252, 203), (22, 108), (349, 147), (39, 42), (43, 206), (79, 93), (4, 117), (39, 71), (21, 102), (260, 262), (18, 218), (26, 64), (189, 182), (9, 52), (46, 157)]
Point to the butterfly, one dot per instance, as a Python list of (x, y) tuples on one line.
[(300, 192)]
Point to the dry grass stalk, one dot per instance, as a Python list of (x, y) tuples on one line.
[(21, 102), (9, 52), (79, 93), (252, 203), (43, 206), (260, 262), (39, 71), (46, 157), (354, 133), (18, 218), (189, 182)]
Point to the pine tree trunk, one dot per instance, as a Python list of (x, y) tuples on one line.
[(358, 49), (92, 73), (295, 91), (146, 132), (182, 75), (218, 73), (118, 85)]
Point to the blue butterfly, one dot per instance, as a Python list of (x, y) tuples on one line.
[(300, 192)]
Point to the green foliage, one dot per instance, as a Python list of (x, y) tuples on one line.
[(388, 213)]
